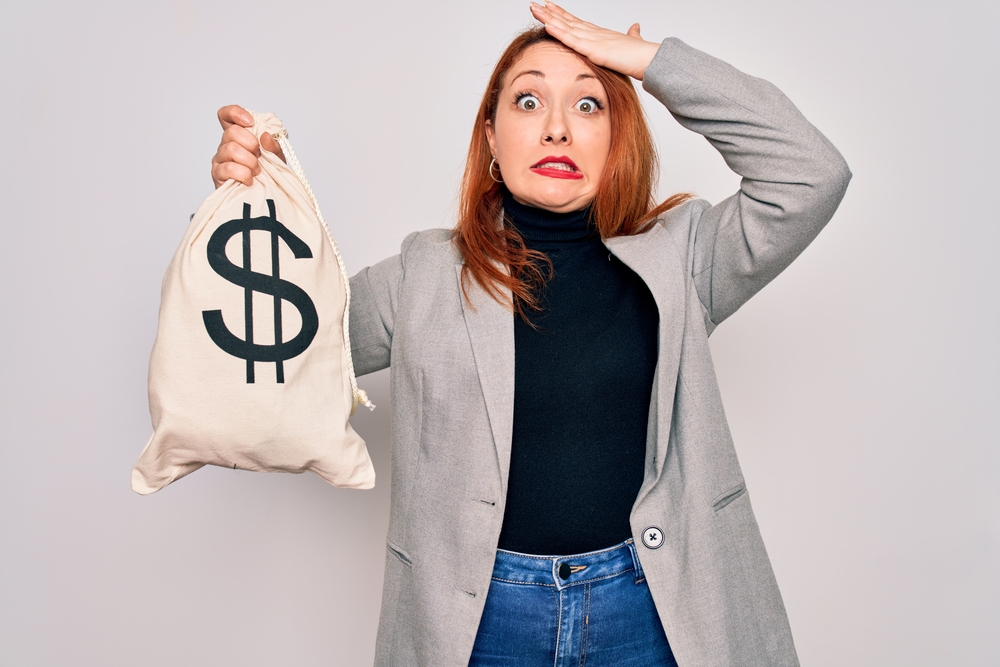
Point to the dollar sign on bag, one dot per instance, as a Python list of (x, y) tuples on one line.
[(251, 282)]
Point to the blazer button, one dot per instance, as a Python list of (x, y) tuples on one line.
[(652, 537)]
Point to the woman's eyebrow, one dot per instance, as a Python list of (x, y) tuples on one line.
[(535, 72)]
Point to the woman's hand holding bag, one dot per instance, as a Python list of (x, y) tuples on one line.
[(237, 157)]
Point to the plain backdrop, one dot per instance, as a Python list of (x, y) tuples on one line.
[(861, 386)]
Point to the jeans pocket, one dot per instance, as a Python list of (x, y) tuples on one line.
[(723, 499)]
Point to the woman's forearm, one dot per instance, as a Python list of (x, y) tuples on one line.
[(793, 177)]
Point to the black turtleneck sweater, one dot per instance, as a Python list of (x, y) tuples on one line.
[(582, 384)]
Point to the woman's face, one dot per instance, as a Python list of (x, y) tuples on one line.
[(552, 132)]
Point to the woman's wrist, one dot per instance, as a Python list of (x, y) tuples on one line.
[(644, 56)]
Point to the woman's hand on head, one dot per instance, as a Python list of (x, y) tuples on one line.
[(627, 53), (237, 156)]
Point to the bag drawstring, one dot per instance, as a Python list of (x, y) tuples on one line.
[(359, 395)]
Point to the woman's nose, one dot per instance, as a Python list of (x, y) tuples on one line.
[(556, 130)]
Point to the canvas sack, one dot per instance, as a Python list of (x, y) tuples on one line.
[(251, 368)]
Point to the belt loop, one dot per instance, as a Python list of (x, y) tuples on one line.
[(639, 575)]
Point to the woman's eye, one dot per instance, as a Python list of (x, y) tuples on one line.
[(527, 102), (587, 105)]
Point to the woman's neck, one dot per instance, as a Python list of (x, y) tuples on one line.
[(538, 224)]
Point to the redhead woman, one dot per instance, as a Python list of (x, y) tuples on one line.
[(565, 490)]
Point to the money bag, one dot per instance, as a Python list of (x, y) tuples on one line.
[(251, 368)]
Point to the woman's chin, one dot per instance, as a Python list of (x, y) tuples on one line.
[(558, 199)]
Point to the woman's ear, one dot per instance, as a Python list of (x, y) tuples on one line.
[(491, 138)]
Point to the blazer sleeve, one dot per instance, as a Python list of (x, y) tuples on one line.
[(374, 299), (793, 177)]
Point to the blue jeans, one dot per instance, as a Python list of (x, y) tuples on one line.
[(591, 609)]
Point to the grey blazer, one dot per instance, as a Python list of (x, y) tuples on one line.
[(452, 384)]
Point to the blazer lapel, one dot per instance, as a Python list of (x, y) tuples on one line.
[(654, 258), (491, 331)]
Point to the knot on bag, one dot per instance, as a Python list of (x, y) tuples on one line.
[(267, 123)]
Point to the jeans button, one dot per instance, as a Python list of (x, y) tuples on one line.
[(652, 537), (564, 571)]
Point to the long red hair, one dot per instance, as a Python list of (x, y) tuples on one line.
[(495, 254)]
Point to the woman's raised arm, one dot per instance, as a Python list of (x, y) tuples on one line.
[(793, 177)]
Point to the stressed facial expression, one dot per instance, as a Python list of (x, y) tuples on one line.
[(552, 132)]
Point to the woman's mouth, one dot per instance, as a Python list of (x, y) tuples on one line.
[(557, 167)]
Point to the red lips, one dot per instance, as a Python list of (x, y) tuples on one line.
[(547, 166)]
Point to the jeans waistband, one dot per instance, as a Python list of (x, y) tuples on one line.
[(563, 571)]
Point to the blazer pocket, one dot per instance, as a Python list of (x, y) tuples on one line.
[(399, 553), (723, 499)]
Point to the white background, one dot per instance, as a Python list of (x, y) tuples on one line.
[(861, 385)]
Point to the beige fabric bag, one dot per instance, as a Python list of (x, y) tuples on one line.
[(251, 368)]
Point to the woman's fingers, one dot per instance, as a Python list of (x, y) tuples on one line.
[(626, 53), (562, 32), (576, 37), (272, 146), (234, 114), (237, 157), (234, 134), (565, 16), (234, 152), (579, 35), (555, 15), (231, 171), (550, 19), (234, 161)]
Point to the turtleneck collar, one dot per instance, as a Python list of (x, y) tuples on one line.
[(537, 224)]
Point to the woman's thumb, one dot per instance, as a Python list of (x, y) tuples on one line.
[(268, 143)]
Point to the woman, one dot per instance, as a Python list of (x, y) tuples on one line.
[(565, 488)]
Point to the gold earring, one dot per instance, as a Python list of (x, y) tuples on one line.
[(494, 162)]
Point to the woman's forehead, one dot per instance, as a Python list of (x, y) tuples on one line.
[(552, 63)]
